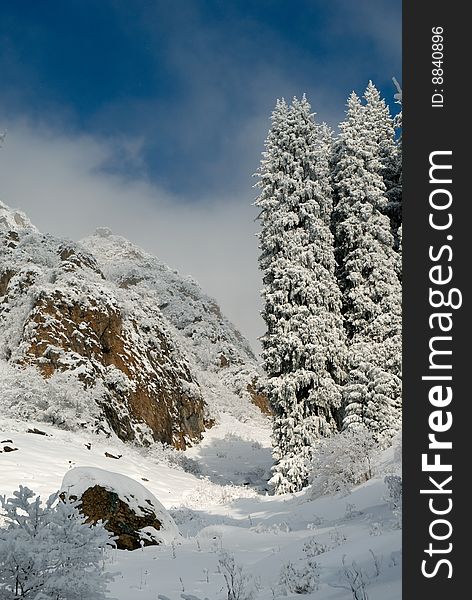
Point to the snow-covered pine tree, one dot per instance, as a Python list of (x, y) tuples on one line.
[(368, 269), (389, 132), (49, 551), (303, 345), (390, 152), (395, 186)]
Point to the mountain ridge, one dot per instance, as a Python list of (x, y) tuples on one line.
[(146, 345)]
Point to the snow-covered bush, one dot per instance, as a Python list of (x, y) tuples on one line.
[(239, 584), (60, 400), (338, 537), (394, 497), (313, 548), (394, 487), (207, 494), (397, 444), (356, 579), (302, 580), (343, 461), (49, 552)]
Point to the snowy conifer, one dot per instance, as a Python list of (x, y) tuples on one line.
[(368, 270), (383, 128), (48, 551), (303, 346), (394, 180)]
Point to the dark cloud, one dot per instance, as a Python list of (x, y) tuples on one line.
[(150, 117)]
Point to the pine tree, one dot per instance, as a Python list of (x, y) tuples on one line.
[(394, 183), (383, 129), (49, 551), (303, 346), (368, 269)]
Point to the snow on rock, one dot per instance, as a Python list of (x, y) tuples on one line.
[(221, 357), (61, 318), (14, 220), (104, 337), (216, 343), (131, 511), (265, 534)]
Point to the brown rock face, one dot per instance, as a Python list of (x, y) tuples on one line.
[(98, 503), (142, 372), (5, 278), (108, 325), (77, 321), (259, 398)]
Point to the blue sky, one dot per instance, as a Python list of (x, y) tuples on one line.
[(189, 77), (175, 96)]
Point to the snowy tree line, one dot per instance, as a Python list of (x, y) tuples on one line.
[(330, 241)]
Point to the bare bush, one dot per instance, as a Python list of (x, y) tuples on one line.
[(239, 584), (356, 579)]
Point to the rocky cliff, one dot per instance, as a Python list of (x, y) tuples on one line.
[(150, 356)]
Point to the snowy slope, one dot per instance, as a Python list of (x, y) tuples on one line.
[(104, 336), (216, 490), (214, 340), (219, 354), (262, 532)]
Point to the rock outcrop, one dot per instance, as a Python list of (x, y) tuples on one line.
[(59, 313), (222, 358), (152, 357), (130, 512)]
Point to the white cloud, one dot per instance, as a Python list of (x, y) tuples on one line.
[(59, 181)]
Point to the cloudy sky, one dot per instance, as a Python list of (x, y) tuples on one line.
[(149, 116)]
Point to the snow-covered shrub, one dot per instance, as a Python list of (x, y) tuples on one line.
[(302, 580), (239, 584), (48, 551), (207, 494), (70, 405), (397, 447), (338, 537), (60, 400), (313, 548), (356, 579), (394, 485), (375, 529), (189, 521), (186, 463), (275, 528), (351, 511), (343, 461), (117, 380)]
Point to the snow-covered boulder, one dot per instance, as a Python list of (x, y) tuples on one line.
[(129, 510)]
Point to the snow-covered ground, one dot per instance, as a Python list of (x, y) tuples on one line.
[(220, 506)]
